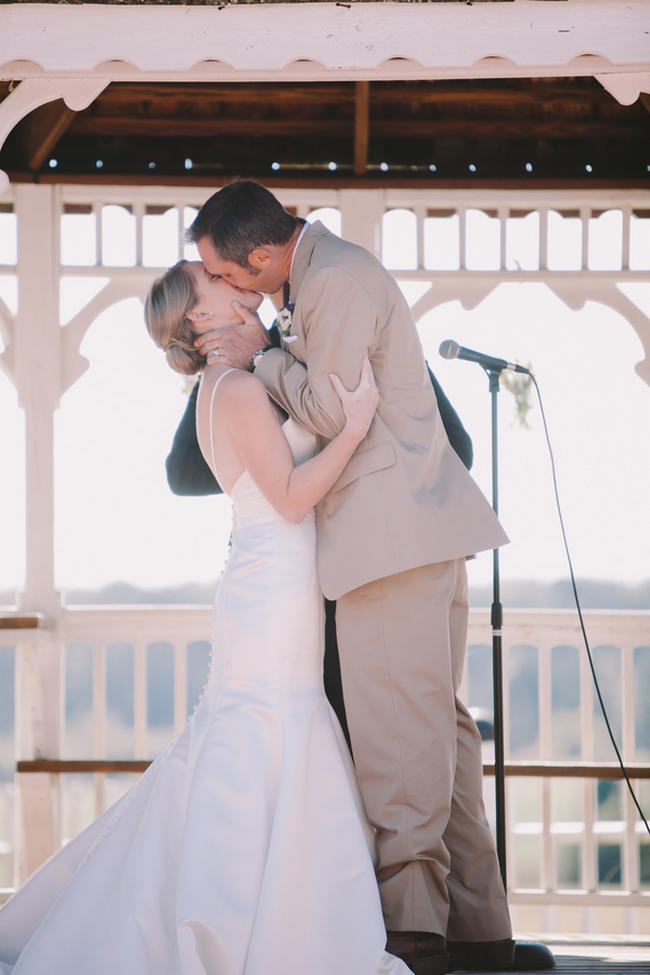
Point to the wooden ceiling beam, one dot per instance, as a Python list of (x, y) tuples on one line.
[(210, 127), (436, 90), (547, 96), (490, 129), (237, 92), (361, 126), (524, 128), (515, 99), (41, 130)]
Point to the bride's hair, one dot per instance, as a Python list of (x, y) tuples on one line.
[(170, 300)]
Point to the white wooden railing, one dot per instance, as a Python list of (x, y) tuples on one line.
[(582, 244), (558, 826)]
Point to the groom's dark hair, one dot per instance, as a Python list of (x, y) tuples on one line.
[(240, 217)]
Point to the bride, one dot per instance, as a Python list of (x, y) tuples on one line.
[(243, 850)]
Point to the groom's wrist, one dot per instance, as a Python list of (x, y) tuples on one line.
[(256, 357)]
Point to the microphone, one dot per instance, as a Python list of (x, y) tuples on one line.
[(452, 350)]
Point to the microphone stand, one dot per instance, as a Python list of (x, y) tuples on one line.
[(528, 955), (496, 620)]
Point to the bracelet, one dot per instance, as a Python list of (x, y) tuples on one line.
[(258, 355)]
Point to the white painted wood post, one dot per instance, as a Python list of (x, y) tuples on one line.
[(361, 216), (39, 702), (38, 381)]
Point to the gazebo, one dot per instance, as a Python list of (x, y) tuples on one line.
[(506, 108)]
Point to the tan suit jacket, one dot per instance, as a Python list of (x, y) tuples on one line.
[(404, 499)]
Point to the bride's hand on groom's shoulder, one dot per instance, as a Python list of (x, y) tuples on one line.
[(359, 404)]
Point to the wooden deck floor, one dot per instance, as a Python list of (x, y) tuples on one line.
[(577, 956)]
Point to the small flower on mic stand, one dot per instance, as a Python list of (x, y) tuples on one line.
[(520, 386)]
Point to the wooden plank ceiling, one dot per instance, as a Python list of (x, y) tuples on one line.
[(344, 133)]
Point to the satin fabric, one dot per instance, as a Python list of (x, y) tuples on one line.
[(243, 850)]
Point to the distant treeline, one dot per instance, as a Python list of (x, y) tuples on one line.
[(518, 594), (593, 593)]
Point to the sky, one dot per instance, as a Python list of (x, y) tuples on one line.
[(117, 520)]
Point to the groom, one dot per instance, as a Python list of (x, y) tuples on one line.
[(393, 535)]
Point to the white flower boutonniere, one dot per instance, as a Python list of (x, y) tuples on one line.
[(283, 321)]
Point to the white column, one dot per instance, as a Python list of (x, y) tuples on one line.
[(38, 381), (39, 682), (361, 216)]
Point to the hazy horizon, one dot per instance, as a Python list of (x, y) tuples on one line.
[(515, 593)]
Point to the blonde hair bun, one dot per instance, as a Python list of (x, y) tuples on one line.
[(170, 300)]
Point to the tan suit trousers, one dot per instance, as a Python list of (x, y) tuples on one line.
[(402, 644)]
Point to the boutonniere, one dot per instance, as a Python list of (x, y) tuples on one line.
[(284, 319)]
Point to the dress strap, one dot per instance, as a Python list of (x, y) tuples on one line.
[(214, 389)]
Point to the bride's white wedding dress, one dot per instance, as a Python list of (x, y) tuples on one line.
[(243, 849)]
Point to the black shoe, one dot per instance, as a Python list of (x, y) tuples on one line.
[(481, 956), (532, 956), (494, 956), (423, 952)]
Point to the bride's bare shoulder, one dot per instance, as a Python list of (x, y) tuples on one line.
[(239, 382), (239, 389)]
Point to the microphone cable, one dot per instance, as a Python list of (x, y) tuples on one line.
[(579, 609)]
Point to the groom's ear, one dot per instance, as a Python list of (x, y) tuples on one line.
[(259, 258)]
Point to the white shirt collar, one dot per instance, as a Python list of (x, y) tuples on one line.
[(305, 227)]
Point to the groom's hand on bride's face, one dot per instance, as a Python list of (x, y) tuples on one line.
[(234, 344)]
